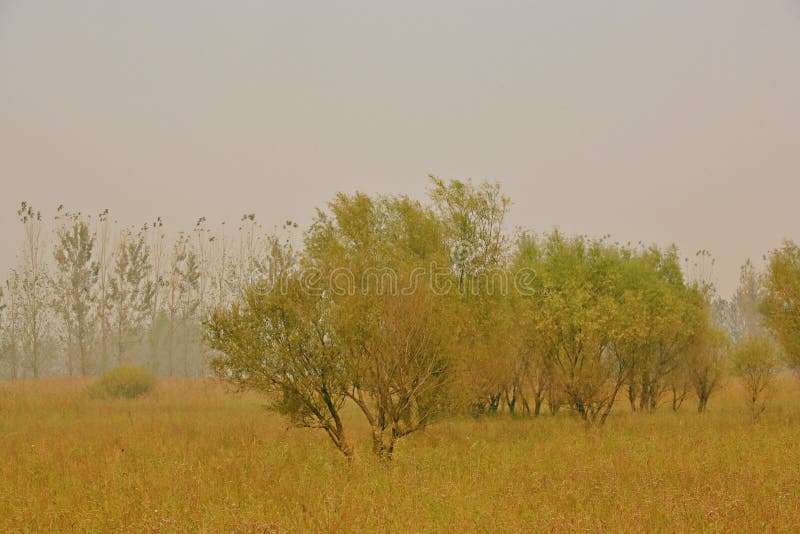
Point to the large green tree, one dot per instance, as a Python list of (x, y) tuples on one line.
[(578, 311), (663, 317), (377, 257)]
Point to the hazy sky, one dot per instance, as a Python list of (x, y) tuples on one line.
[(662, 121)]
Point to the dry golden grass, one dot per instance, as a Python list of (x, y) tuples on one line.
[(192, 457)]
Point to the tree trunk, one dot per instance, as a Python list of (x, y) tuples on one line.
[(35, 360), (512, 404), (526, 408), (632, 397), (186, 341), (494, 403), (69, 350), (82, 355), (14, 363), (553, 404), (170, 346), (383, 443)]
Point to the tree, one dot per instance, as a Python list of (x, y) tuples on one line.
[(473, 218), (575, 302), (219, 267), (399, 380), (596, 316), (375, 256), (755, 361), (277, 340), (662, 316), (534, 366), (203, 246), (741, 317), (9, 333), (250, 254), (494, 362), (130, 291), (781, 305), (707, 360), (75, 283), (747, 303), (155, 281), (679, 384), (182, 284), (32, 284), (491, 362), (102, 303)]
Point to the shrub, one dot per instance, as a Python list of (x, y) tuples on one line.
[(126, 382)]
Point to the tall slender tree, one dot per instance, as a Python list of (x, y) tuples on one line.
[(131, 291), (75, 286), (182, 284), (155, 237), (103, 302), (34, 285), (747, 304)]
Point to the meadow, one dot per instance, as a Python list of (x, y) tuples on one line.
[(195, 457)]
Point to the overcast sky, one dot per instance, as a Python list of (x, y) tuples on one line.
[(661, 121)]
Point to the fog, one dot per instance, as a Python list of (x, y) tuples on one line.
[(650, 121)]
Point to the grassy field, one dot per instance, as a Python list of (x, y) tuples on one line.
[(192, 457)]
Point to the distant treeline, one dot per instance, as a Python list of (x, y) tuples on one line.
[(88, 295)]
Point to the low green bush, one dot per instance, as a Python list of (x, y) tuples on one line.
[(126, 382)]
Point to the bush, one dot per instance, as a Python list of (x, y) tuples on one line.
[(123, 382)]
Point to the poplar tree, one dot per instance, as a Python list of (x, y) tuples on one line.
[(33, 286), (130, 292), (75, 284), (103, 301), (155, 281)]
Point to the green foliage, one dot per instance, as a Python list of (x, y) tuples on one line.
[(755, 354), (127, 382), (707, 359), (472, 217), (403, 310), (378, 257), (781, 304), (416, 311), (277, 341), (597, 316)]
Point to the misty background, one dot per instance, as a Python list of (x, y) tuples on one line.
[(648, 120)]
